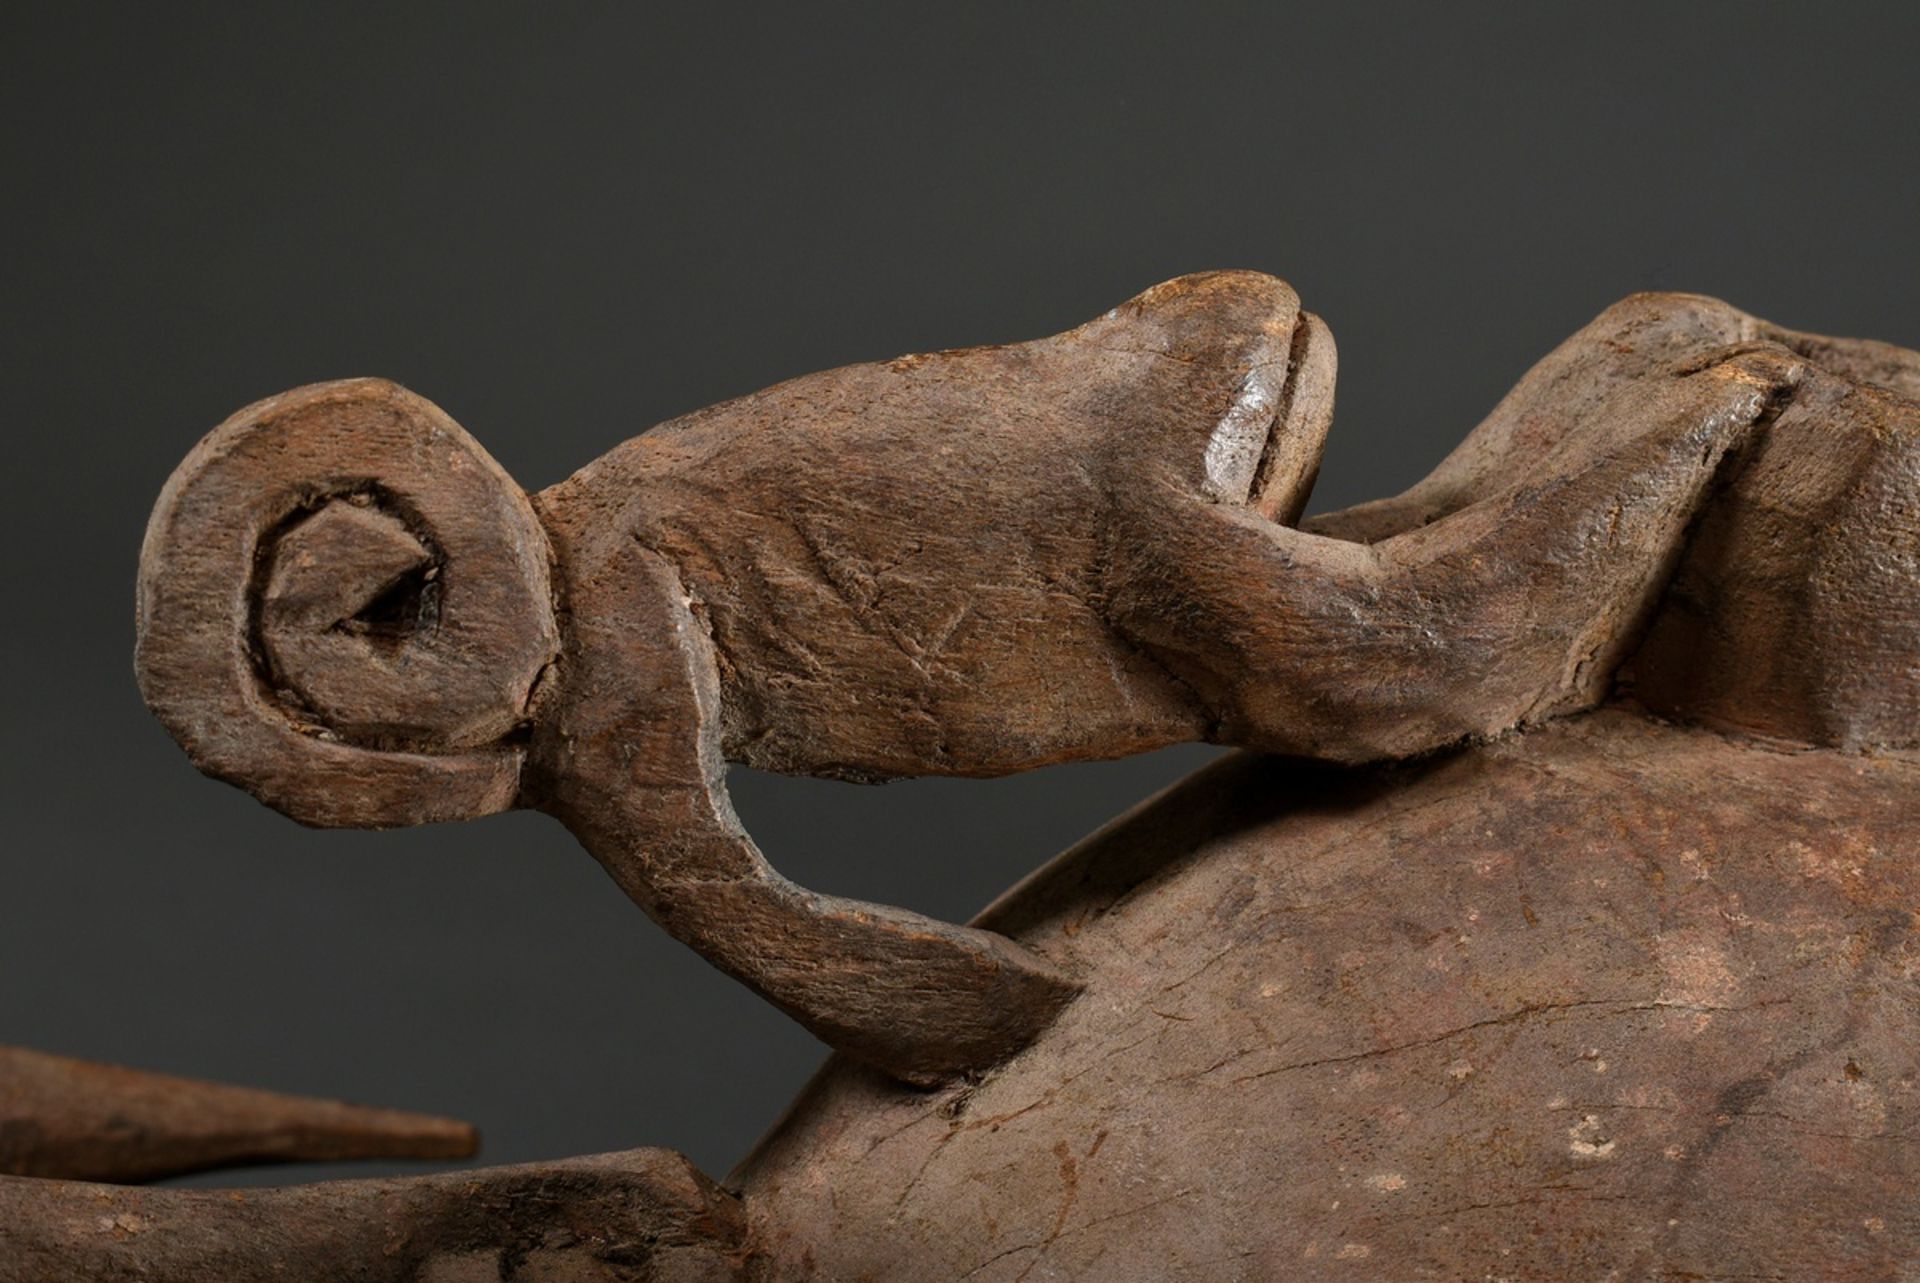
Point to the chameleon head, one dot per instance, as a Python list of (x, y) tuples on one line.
[(344, 608)]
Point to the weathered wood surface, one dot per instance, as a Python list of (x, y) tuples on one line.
[(1606, 999), (1792, 610), (1602, 998), (78, 1120), (616, 1218), (1586, 949), (974, 562)]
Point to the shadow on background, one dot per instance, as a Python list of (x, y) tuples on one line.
[(567, 224)]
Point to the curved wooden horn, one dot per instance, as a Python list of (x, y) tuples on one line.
[(76, 1120), (344, 605)]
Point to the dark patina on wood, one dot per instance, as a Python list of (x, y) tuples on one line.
[(83, 1121), (618, 1218), (965, 563), (1567, 926)]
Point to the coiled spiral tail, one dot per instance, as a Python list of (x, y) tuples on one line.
[(344, 608)]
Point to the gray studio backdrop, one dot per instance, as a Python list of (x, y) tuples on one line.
[(565, 223)]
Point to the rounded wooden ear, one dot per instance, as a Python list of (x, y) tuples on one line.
[(344, 606)]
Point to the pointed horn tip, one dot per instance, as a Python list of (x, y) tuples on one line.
[(79, 1118), (387, 1133), (313, 1129)]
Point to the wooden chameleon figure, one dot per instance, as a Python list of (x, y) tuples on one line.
[(965, 563)]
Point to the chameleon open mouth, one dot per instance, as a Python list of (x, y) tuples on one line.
[(1297, 435)]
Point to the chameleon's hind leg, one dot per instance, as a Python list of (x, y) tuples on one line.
[(634, 771)]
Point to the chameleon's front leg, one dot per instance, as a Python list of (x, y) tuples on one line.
[(627, 757), (1508, 607)]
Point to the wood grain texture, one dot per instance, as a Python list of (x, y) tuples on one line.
[(1567, 928), (77, 1120), (1603, 998), (615, 1218), (380, 710), (974, 562)]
